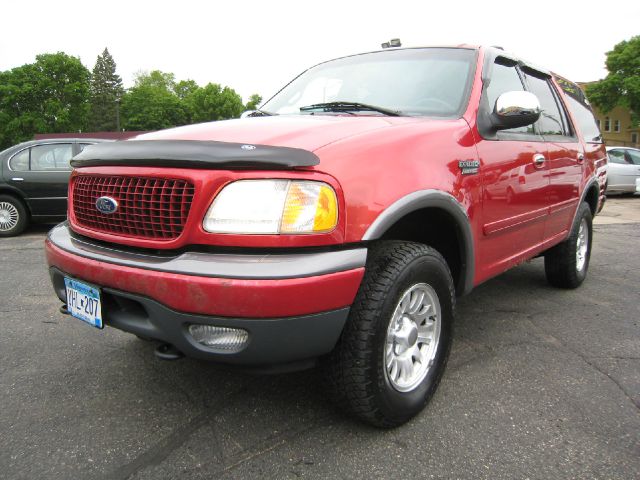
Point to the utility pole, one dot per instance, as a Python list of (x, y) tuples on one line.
[(118, 114)]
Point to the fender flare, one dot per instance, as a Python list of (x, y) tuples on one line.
[(432, 199), (593, 181)]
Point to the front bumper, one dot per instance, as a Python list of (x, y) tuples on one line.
[(293, 305)]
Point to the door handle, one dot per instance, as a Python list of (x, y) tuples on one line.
[(580, 157), (538, 160), (18, 179)]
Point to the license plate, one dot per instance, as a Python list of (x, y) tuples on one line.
[(83, 302)]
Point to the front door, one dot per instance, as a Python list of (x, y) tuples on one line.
[(515, 184)]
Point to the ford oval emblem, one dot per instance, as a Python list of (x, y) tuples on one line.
[(248, 147), (106, 205)]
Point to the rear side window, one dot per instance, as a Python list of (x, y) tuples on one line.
[(20, 161), (581, 110), (505, 78), (51, 157), (552, 120)]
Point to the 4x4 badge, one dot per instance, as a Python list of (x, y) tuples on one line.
[(469, 167)]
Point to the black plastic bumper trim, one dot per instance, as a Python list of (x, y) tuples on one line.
[(236, 266), (272, 341)]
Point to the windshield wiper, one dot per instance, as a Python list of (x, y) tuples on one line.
[(349, 107)]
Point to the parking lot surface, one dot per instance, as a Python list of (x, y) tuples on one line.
[(542, 383)]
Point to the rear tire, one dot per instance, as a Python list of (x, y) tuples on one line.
[(13, 216), (566, 264), (394, 347)]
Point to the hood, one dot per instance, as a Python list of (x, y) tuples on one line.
[(308, 132)]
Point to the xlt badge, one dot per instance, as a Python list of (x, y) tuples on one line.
[(468, 167)]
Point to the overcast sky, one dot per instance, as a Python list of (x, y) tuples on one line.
[(257, 46)]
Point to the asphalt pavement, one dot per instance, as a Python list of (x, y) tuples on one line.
[(542, 384)]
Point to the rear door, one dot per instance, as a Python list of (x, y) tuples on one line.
[(564, 156)]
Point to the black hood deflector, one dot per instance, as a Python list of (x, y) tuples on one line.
[(193, 154)]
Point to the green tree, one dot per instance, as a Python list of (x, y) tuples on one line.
[(212, 102), (254, 102), (106, 92), (184, 88), (621, 86), (152, 104), (48, 96)]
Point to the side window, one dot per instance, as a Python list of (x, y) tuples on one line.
[(82, 146), (617, 156), (585, 120), (51, 157), (552, 120), (20, 161), (505, 79), (582, 114), (634, 156)]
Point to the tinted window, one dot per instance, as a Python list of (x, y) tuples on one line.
[(505, 79), (20, 162), (581, 110), (635, 156), (551, 119), (616, 156), (51, 157)]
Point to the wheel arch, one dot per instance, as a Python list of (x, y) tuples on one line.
[(411, 217), (7, 190), (591, 194)]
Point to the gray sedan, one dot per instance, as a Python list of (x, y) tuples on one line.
[(623, 173)]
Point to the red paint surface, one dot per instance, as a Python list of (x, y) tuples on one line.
[(372, 161), (217, 296)]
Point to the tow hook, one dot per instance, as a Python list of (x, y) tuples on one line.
[(166, 351), (64, 310)]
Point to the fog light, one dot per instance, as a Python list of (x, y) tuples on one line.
[(222, 339)]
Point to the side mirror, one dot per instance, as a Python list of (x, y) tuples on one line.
[(515, 109)]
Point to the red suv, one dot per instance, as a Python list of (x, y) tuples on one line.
[(337, 224)]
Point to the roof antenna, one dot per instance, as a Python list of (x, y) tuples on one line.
[(393, 43)]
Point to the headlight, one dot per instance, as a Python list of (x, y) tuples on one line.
[(272, 207)]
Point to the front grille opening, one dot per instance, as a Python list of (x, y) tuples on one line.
[(150, 208)]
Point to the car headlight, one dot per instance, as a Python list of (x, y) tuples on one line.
[(272, 207)]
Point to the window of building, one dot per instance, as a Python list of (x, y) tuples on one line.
[(607, 124), (616, 125), (634, 137)]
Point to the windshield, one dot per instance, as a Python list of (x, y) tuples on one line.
[(421, 81)]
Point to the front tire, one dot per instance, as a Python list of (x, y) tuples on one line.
[(566, 264), (13, 216), (394, 348)]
